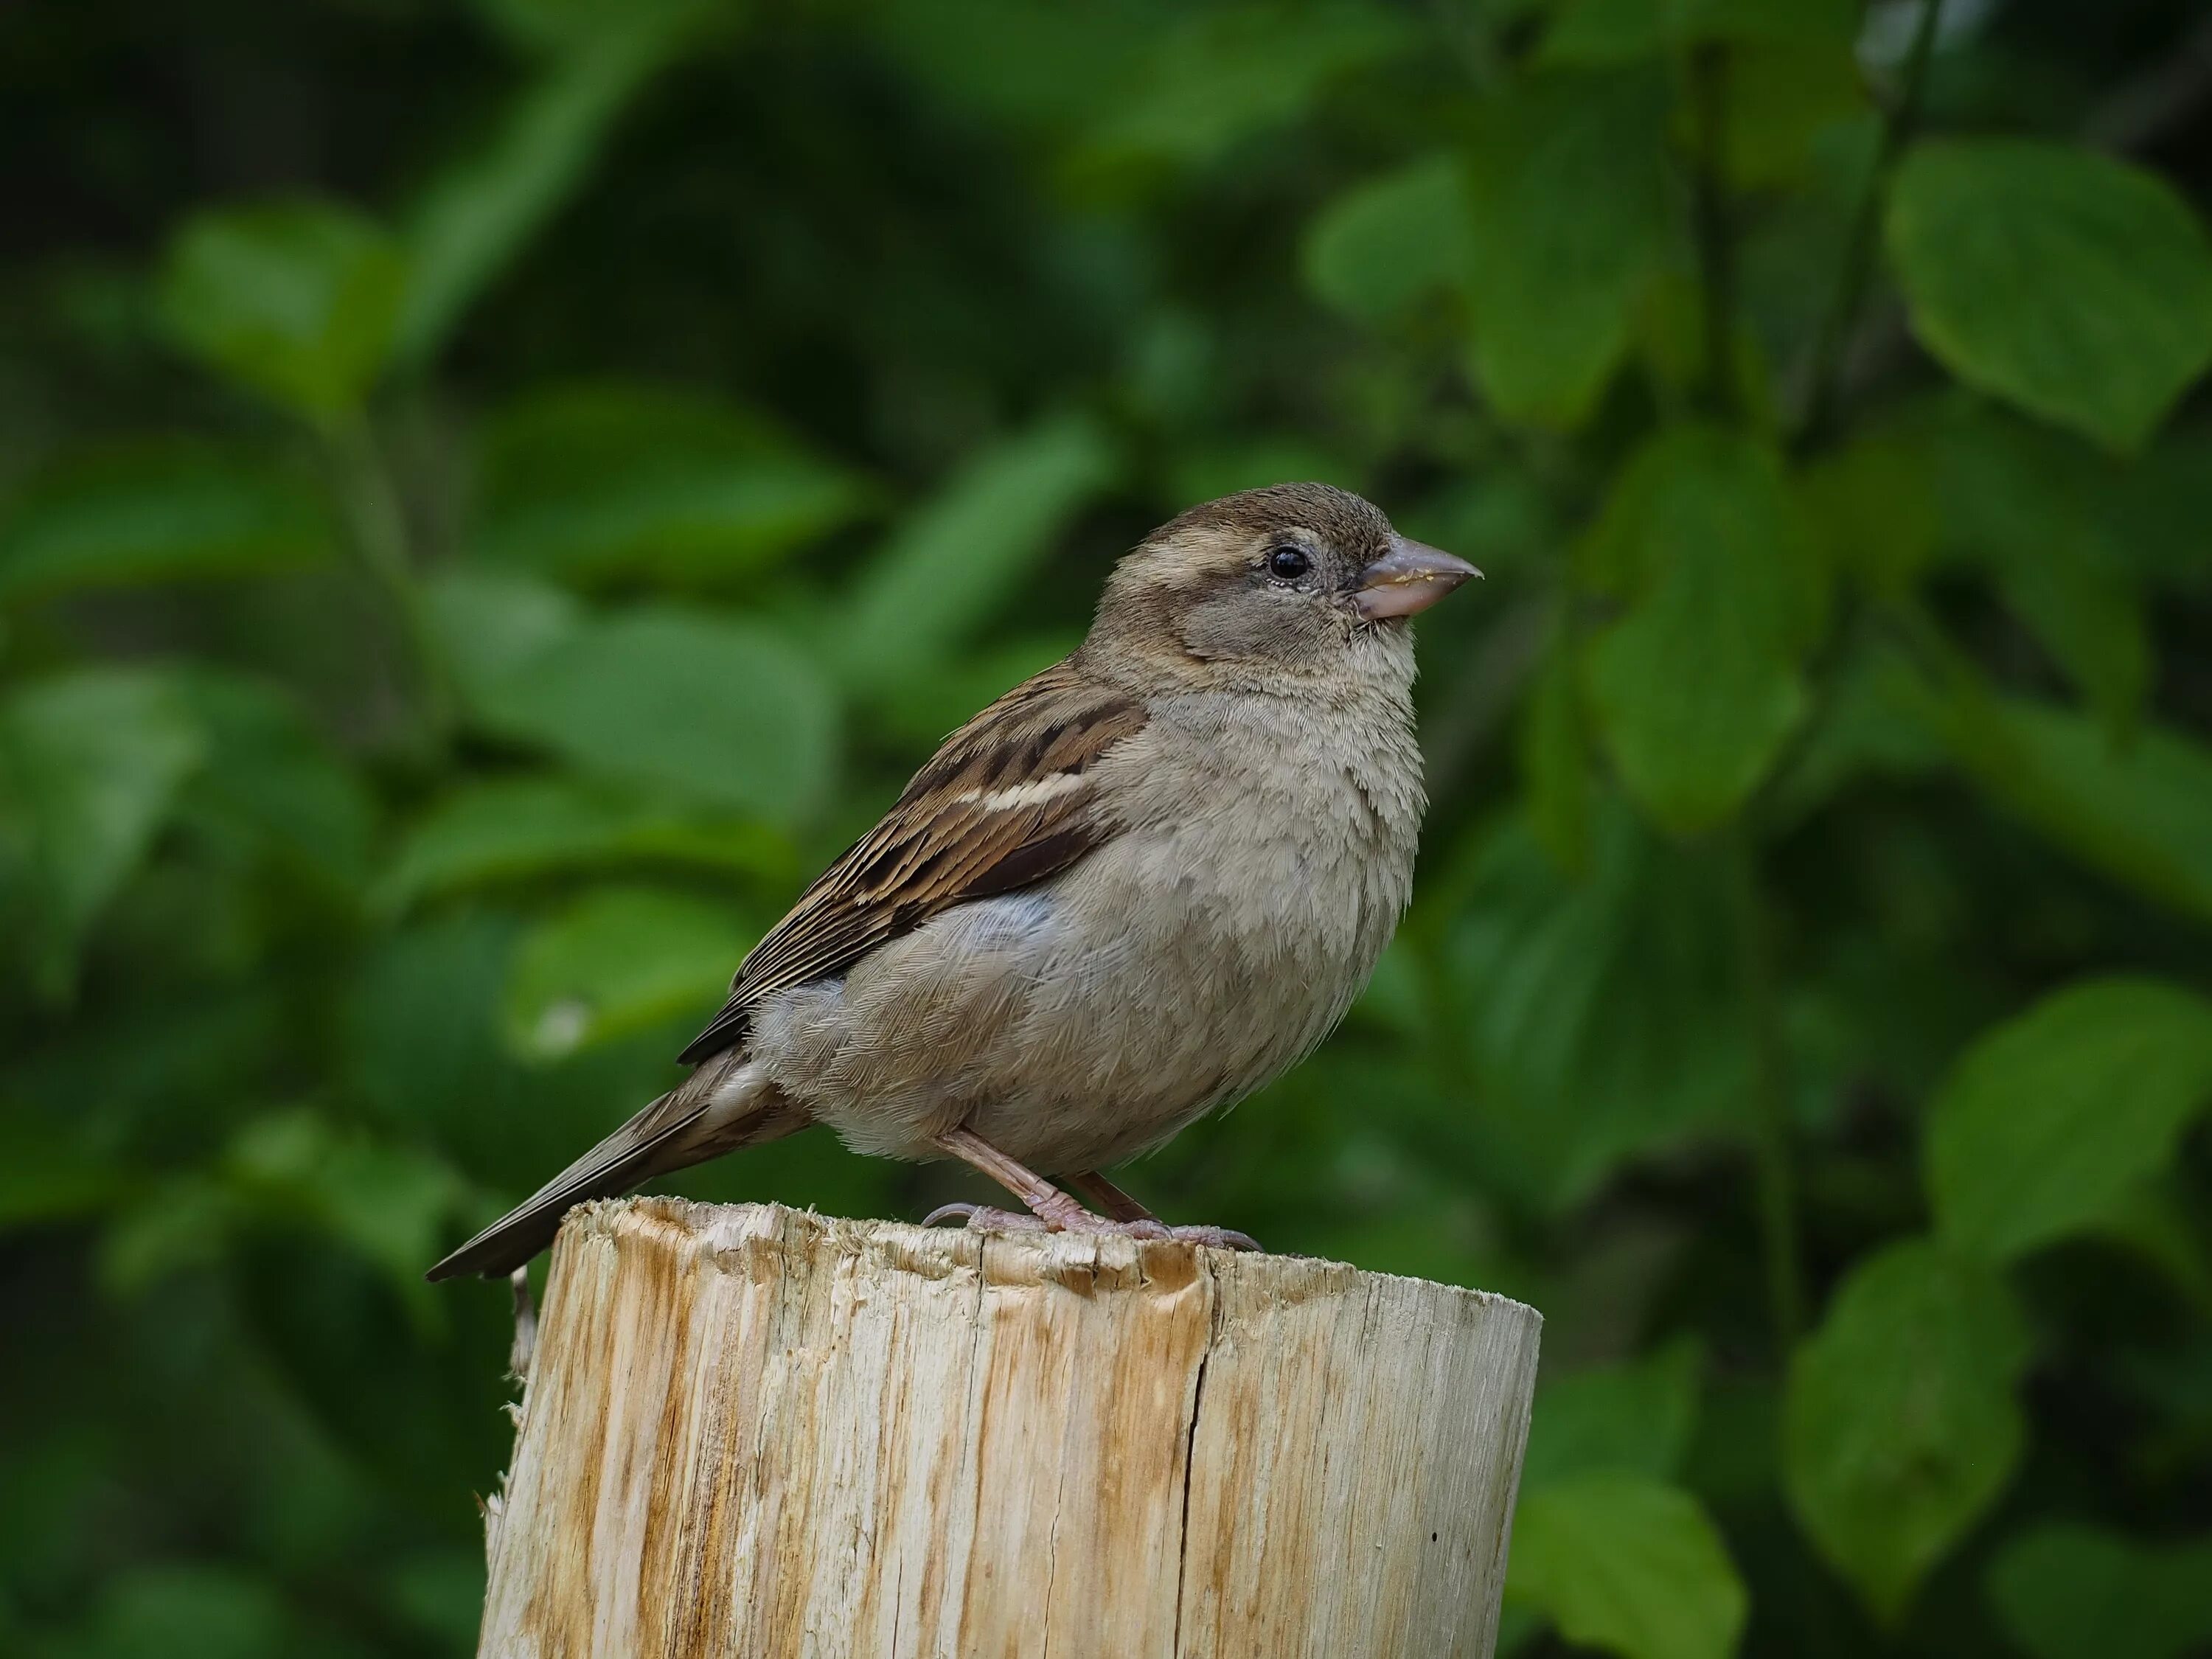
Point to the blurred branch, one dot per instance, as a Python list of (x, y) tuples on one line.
[(2142, 113), (377, 529), (1824, 378), (1472, 41), (1709, 89)]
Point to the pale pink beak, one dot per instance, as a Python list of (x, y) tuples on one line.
[(1412, 576)]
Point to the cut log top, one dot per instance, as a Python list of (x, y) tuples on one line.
[(751, 1431)]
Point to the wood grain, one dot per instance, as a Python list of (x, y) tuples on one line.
[(750, 1431)]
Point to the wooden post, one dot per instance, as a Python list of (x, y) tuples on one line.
[(750, 1432)]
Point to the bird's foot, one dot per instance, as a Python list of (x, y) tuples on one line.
[(1216, 1238), (981, 1218)]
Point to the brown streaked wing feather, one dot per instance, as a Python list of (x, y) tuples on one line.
[(934, 849)]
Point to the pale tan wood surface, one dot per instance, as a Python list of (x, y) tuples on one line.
[(750, 1432)]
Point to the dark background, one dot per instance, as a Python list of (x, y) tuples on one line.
[(493, 495)]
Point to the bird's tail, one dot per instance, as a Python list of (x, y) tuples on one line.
[(719, 1108)]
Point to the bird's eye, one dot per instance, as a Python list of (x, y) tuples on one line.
[(1288, 563)]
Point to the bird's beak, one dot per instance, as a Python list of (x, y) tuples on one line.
[(1410, 577)]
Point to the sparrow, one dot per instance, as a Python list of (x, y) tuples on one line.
[(1134, 888)]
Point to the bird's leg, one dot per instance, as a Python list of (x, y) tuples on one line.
[(1122, 1208), (1050, 1209), (1054, 1210), (1108, 1197)]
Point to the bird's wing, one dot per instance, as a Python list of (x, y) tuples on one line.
[(1005, 802)]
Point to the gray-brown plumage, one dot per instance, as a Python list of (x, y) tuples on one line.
[(1135, 888)]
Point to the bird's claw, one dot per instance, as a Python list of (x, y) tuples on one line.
[(981, 1218), (1217, 1238)]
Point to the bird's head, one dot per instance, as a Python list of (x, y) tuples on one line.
[(1292, 579)]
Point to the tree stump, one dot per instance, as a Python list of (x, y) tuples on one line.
[(750, 1432)]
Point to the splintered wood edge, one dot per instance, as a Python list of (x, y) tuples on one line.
[(1443, 1360), (748, 1238)]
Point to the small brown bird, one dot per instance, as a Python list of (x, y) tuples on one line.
[(1131, 890)]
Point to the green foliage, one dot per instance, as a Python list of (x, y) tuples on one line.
[(2049, 1119), (1565, 231), (612, 482), (166, 510), (1633, 1419), (90, 763), (478, 211), (1612, 999), (2067, 1591), (678, 700), (296, 302), (493, 497), (2140, 810), (1697, 685), (1628, 1565), (920, 597), (618, 960), (2077, 287), (1901, 1427), (1387, 243)]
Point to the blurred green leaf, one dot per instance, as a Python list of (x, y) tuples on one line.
[(1382, 244), (90, 763), (1202, 474), (955, 562), (2074, 285), (1557, 781), (421, 1048), (48, 1175), (387, 1202), (622, 481), (441, 1594), (1872, 505), (947, 700), (1900, 1428), (1603, 1017), (494, 625), (721, 711), (513, 829), (1695, 687), (2067, 1591), (1616, 31), (174, 510), (296, 300), (1669, 337), (575, 29), (185, 1612), (2034, 510), (1217, 76), (2153, 1222), (1029, 66), (1564, 230), (420, 1041), (170, 1228), (1628, 1565), (617, 960), (479, 211), (1872, 724), (2139, 809), (1633, 1417), (1781, 93), (273, 783), (2051, 1116)]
